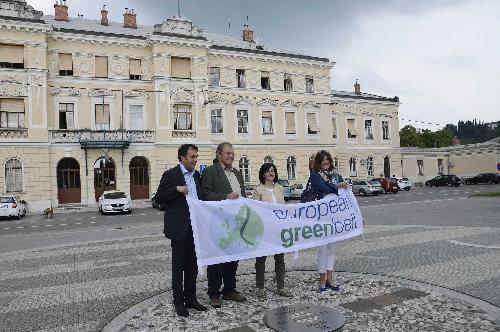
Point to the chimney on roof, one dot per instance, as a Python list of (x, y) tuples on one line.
[(247, 33), (129, 19), (357, 88), (61, 11), (104, 16)]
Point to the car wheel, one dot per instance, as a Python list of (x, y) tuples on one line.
[(428, 185), (449, 184), (407, 189), (19, 215), (129, 212), (362, 192)]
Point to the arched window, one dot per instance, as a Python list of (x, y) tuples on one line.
[(369, 166), (291, 167), (336, 163), (13, 176), (268, 159), (352, 166), (244, 166)]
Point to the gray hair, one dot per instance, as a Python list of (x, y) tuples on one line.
[(221, 147)]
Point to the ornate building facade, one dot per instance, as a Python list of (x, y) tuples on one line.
[(91, 105)]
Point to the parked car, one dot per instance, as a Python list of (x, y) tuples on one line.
[(114, 201), (389, 185), (443, 180), (249, 190), (12, 206), (296, 190), (286, 188), (365, 187), (488, 178), (156, 204), (348, 180), (404, 183)]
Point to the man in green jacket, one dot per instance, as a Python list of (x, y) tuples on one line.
[(222, 181)]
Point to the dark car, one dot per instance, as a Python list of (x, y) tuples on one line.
[(389, 185), (156, 204), (443, 180), (488, 178)]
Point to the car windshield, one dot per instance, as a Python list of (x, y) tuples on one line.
[(7, 200), (374, 182), (115, 195), (284, 183), (405, 179)]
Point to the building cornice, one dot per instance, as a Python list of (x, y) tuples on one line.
[(19, 24), (98, 38)]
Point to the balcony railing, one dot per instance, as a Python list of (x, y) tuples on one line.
[(13, 133), (183, 134), (106, 137)]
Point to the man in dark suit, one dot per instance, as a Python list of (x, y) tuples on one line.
[(175, 185), (222, 181)]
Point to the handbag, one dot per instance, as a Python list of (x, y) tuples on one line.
[(309, 194)]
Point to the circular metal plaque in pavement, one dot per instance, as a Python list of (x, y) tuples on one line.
[(304, 318)]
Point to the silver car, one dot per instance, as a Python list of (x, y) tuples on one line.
[(367, 187)]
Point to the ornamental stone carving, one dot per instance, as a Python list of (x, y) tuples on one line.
[(101, 93), (299, 83), (217, 99), (179, 25), (65, 92), (83, 65), (19, 8), (267, 102), (147, 68), (277, 81), (322, 85), (310, 104), (13, 88), (252, 79), (290, 103), (201, 67), (182, 96), (242, 100), (119, 67), (53, 61), (228, 77), (135, 94)]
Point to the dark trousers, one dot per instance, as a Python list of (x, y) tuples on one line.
[(184, 262), (218, 273), (279, 269)]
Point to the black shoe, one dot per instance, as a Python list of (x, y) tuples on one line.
[(196, 306), (181, 310)]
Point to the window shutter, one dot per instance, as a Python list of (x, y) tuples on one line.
[(12, 53), (102, 115), (351, 127), (334, 126), (12, 105), (135, 67), (101, 66), (181, 67), (267, 114), (65, 61), (290, 123), (311, 121)]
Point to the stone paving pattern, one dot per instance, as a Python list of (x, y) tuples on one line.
[(83, 287)]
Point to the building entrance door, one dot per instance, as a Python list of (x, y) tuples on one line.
[(387, 167), (68, 181), (104, 176), (139, 178)]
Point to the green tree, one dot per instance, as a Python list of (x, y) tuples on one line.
[(409, 136), (444, 137)]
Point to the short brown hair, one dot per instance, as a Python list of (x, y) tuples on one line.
[(221, 147), (318, 159)]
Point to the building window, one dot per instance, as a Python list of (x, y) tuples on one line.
[(244, 166), (240, 77), (268, 159), (291, 168), (369, 166), (180, 67), (290, 123), (242, 117), (351, 129), (135, 72), (368, 129), (267, 122), (352, 166), (66, 116), (385, 129), (288, 82), (312, 124), (102, 117), (336, 163), (264, 80), (101, 66), (13, 176), (136, 117), (11, 56), (182, 117), (309, 84), (334, 128), (216, 121), (440, 167), (420, 165), (65, 64), (12, 113), (214, 76)]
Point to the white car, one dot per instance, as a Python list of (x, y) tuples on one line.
[(115, 202), (404, 183), (12, 206), (296, 190)]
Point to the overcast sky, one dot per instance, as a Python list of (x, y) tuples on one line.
[(441, 57)]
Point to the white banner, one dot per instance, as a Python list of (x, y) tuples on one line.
[(231, 230)]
